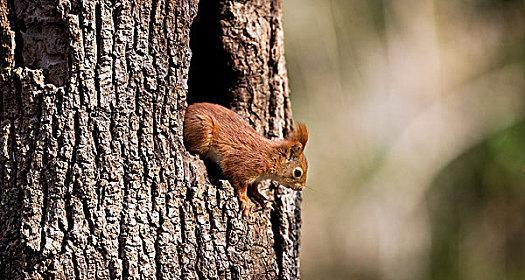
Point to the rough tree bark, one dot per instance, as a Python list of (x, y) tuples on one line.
[(95, 182)]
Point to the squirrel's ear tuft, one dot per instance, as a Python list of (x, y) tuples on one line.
[(299, 134), (290, 150), (284, 150), (296, 149)]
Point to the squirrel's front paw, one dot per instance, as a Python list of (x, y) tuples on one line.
[(260, 200), (264, 204)]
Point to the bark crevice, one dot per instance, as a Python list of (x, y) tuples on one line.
[(100, 45), (17, 28)]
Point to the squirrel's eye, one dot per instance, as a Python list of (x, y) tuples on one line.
[(297, 172)]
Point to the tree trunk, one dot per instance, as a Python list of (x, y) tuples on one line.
[(95, 182)]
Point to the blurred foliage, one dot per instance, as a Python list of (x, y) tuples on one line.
[(477, 208), (416, 112)]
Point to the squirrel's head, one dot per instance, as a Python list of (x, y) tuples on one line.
[(293, 165)]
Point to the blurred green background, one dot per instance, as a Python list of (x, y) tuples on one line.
[(416, 111)]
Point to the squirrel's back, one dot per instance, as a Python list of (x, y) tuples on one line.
[(211, 127)]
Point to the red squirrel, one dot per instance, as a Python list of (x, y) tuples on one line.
[(245, 157)]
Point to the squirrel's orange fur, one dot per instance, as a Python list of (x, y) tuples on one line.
[(245, 157)]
